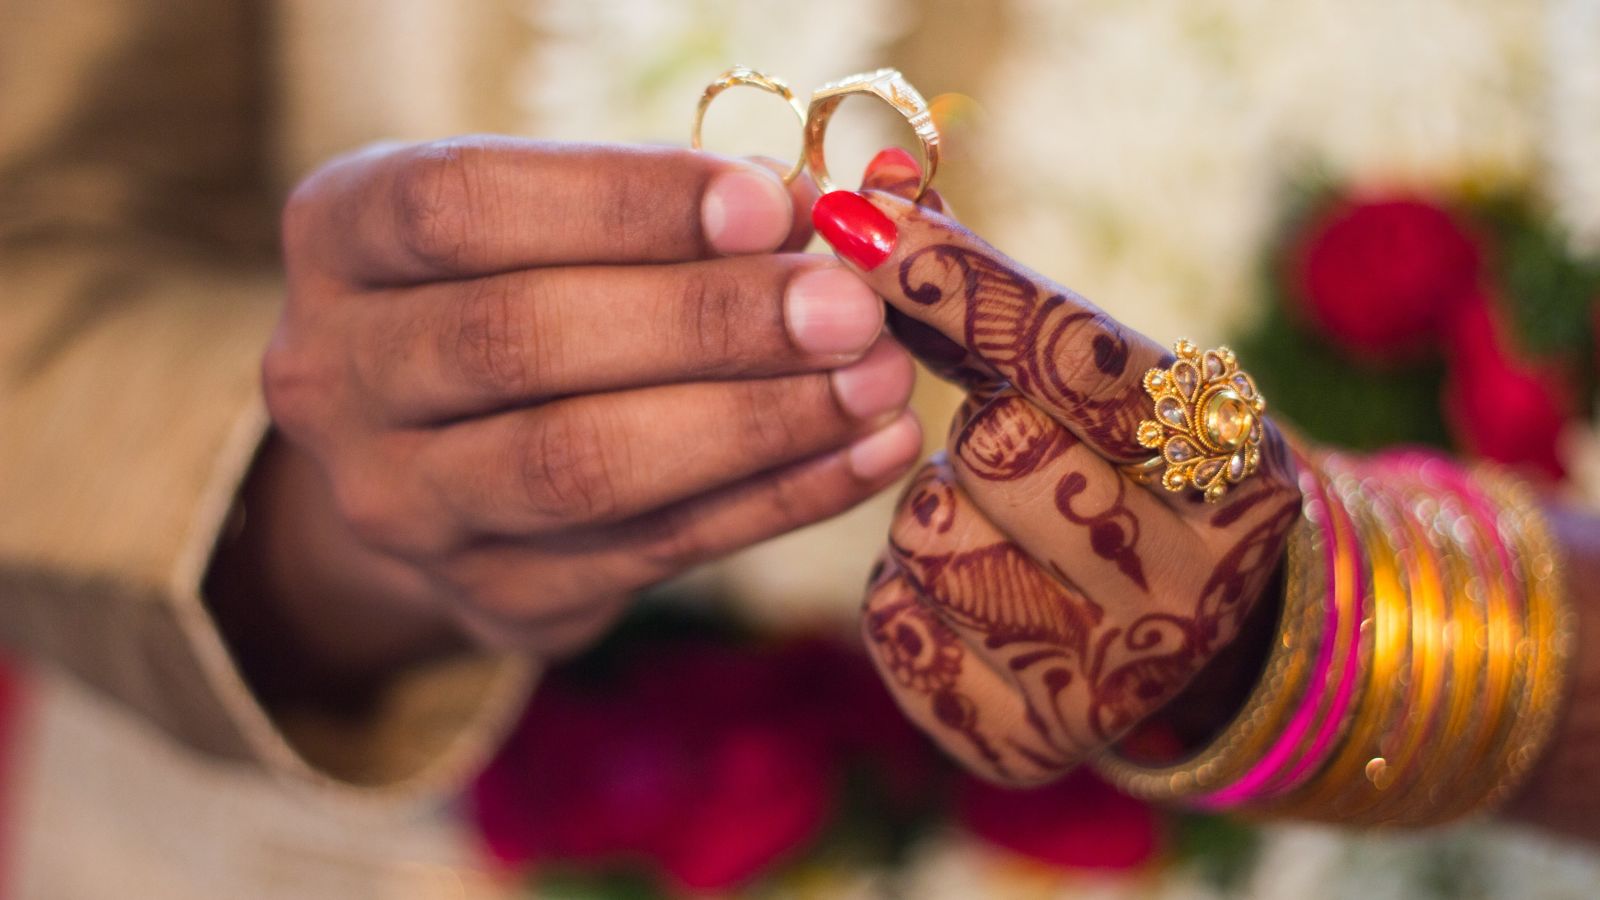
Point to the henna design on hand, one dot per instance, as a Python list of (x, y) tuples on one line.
[(1084, 671), (930, 499), (1008, 438), (1001, 593), (1033, 342), (944, 357), (1164, 651), (924, 655), (1113, 531)]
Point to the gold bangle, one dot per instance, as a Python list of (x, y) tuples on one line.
[(1447, 530), (1551, 629), (1470, 602), (1340, 779), (1441, 670), (1241, 742)]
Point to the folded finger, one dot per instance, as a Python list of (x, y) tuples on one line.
[(451, 349), (1063, 503), (1024, 619), (609, 457), (978, 716), (512, 579)]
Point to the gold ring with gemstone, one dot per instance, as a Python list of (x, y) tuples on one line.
[(892, 88), (748, 77), (1207, 423)]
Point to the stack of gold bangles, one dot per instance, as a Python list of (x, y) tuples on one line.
[(1422, 652)]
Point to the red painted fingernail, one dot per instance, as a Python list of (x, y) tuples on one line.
[(858, 231), (896, 157)]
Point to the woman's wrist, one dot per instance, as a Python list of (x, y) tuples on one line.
[(1560, 794), (1440, 668)]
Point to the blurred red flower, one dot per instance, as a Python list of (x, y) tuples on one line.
[(708, 762), (1381, 277), (1499, 405), (1079, 822)]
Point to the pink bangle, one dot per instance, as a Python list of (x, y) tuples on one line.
[(1266, 777)]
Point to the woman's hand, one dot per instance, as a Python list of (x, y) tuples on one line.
[(1034, 602), (517, 381)]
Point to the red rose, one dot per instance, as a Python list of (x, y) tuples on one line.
[(1080, 822), (835, 694), (691, 759), (1499, 405), (584, 778), (1381, 277), (763, 796)]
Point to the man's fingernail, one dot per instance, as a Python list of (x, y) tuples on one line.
[(886, 451), (855, 228), (879, 383), (832, 312), (892, 158), (745, 211)]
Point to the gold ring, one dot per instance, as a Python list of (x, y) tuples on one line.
[(892, 88), (1207, 424), (744, 75)]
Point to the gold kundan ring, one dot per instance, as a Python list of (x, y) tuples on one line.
[(748, 77), (1207, 425), (892, 88)]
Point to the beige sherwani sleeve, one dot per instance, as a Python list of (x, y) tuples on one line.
[(137, 287)]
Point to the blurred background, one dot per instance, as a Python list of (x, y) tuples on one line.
[(1183, 164)]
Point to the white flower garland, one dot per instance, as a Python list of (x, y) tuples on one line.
[(1573, 145)]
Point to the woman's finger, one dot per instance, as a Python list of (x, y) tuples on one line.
[(1028, 623), (1064, 504), (895, 171), (1060, 351), (978, 716)]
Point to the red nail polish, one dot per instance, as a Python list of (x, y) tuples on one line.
[(858, 231), (895, 157)]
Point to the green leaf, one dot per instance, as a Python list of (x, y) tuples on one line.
[(1222, 851), (1336, 400), (610, 884)]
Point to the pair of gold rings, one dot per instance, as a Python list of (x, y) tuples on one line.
[(887, 85)]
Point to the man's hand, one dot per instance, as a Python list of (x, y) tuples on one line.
[(517, 381)]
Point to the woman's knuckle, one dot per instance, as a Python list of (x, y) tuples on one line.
[(1090, 367)]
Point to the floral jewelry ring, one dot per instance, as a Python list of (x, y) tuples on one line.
[(887, 85), (1207, 423), (743, 75)]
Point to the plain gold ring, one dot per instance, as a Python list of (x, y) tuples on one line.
[(892, 88), (748, 77)]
